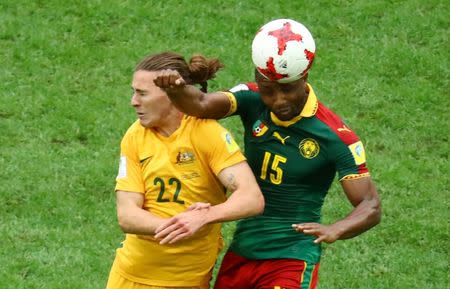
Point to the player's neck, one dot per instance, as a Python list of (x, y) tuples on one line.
[(172, 123), (302, 105), (302, 102)]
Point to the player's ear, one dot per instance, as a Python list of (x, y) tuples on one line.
[(257, 75), (305, 77)]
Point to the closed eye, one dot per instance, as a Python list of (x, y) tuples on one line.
[(140, 92), (287, 88)]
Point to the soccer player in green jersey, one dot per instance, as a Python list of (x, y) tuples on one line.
[(295, 146)]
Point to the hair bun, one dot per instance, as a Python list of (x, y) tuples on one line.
[(203, 69)]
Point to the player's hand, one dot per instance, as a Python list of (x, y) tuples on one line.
[(199, 206), (169, 79), (324, 233), (181, 226)]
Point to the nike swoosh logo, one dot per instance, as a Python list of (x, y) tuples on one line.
[(144, 159)]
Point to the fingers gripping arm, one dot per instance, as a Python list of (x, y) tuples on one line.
[(246, 200)]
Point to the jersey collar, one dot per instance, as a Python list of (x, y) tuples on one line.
[(308, 110)]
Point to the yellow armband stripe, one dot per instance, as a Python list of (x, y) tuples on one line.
[(354, 176), (233, 103)]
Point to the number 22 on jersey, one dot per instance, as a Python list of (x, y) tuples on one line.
[(161, 183)]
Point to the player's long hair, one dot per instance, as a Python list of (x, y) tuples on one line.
[(199, 70)]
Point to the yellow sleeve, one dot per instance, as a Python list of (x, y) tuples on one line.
[(220, 148), (129, 177)]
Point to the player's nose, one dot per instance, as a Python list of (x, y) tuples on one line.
[(135, 99), (280, 99)]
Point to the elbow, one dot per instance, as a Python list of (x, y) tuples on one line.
[(123, 223), (378, 215), (252, 204), (375, 215)]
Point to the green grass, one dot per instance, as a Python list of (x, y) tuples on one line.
[(64, 91)]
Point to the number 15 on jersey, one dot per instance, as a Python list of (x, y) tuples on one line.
[(276, 173)]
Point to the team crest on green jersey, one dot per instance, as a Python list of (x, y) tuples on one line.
[(309, 148), (259, 128)]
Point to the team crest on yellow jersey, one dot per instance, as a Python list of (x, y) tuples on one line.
[(309, 148), (185, 158), (259, 128)]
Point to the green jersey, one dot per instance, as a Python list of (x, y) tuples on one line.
[(294, 163)]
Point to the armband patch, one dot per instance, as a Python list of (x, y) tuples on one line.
[(122, 168), (358, 152), (232, 146)]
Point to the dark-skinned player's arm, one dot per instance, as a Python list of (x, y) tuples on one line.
[(191, 100), (366, 213), (133, 219), (245, 200)]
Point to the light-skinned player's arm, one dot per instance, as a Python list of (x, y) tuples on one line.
[(246, 200), (191, 100), (132, 218), (363, 195)]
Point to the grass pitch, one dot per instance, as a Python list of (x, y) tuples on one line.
[(65, 88)]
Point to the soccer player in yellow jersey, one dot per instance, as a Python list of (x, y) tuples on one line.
[(173, 175)]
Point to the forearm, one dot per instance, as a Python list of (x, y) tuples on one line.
[(364, 216), (245, 201), (138, 221), (241, 204), (188, 99)]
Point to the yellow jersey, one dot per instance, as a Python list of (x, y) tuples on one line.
[(174, 172)]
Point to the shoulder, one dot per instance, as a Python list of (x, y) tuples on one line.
[(245, 87), (336, 124), (245, 99), (135, 131), (135, 128), (207, 133), (345, 141), (202, 123)]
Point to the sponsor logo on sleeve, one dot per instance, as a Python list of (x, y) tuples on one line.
[(122, 168), (231, 145), (358, 152), (344, 128), (259, 128)]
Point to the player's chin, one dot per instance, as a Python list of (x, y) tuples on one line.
[(145, 123), (284, 115)]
